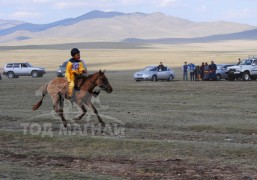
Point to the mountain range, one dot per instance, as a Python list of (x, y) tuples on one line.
[(129, 27)]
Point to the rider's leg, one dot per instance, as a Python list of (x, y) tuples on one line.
[(71, 87)]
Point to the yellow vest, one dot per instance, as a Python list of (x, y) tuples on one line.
[(72, 67)]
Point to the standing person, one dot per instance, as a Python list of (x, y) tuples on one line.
[(184, 69), (198, 73), (213, 69), (202, 70), (206, 72), (191, 67), (160, 67), (74, 66), (239, 61)]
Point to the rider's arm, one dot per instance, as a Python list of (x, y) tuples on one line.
[(81, 68)]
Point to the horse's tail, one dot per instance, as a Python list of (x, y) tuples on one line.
[(39, 103)]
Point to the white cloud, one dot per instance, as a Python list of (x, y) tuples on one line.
[(70, 4), (110, 4), (41, 1), (25, 14), (233, 14), (201, 9), (165, 3)]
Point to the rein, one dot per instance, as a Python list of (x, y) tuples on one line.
[(103, 86)]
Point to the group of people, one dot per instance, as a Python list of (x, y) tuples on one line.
[(204, 72)]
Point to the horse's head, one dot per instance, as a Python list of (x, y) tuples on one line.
[(103, 82)]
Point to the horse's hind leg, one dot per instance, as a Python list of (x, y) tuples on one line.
[(58, 102)]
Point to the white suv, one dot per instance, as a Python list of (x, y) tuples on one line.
[(14, 70), (245, 70)]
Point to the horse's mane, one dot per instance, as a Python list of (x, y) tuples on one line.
[(82, 76)]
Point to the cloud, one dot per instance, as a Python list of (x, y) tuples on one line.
[(70, 4), (110, 4), (24, 2), (41, 1), (242, 14), (25, 14), (201, 9), (165, 3)]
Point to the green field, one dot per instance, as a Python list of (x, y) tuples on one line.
[(165, 130)]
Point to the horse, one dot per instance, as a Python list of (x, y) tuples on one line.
[(58, 88)]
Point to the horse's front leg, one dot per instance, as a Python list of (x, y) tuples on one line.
[(84, 111), (90, 105), (82, 107)]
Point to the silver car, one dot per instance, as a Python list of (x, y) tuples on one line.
[(14, 70), (151, 73), (221, 71)]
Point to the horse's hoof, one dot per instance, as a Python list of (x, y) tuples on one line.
[(65, 125)]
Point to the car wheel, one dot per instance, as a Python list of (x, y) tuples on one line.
[(170, 78), (34, 74), (246, 76), (154, 78), (218, 77), (11, 75)]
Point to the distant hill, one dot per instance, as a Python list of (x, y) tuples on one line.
[(6, 24), (245, 35), (65, 22), (116, 26)]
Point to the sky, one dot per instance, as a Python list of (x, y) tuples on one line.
[(46, 11)]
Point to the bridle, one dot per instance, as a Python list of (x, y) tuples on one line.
[(104, 86)]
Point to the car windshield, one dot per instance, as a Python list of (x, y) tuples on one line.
[(150, 68), (29, 65), (246, 62), (219, 66)]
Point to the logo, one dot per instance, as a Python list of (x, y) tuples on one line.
[(75, 66)]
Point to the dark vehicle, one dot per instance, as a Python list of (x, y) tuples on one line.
[(62, 69)]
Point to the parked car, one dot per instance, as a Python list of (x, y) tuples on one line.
[(221, 71), (14, 70), (62, 69), (245, 70), (151, 73)]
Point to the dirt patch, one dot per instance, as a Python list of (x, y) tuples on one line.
[(137, 169)]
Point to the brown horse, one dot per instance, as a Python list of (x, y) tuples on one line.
[(58, 89)]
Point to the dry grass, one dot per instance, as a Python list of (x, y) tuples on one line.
[(128, 59)]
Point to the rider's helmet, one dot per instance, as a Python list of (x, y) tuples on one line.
[(74, 51)]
